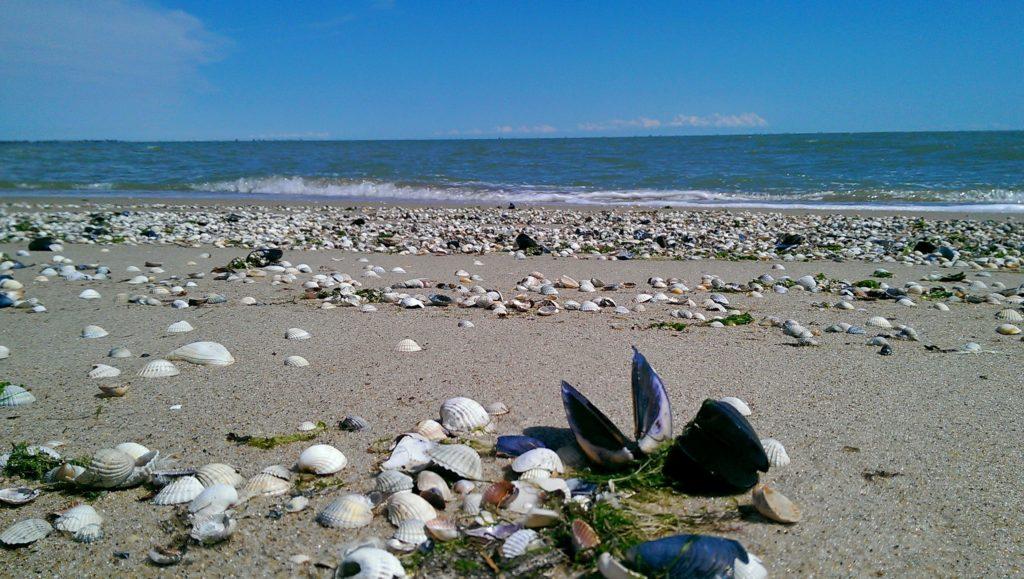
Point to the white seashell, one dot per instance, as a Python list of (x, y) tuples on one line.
[(465, 324), (367, 308), (213, 500), (459, 459), (109, 468), (497, 409), (392, 481), (14, 396), (431, 481), (181, 490), (941, 307), (738, 404), (296, 362), (463, 415), (91, 332), (777, 456), (407, 345), (297, 334), (18, 495), (464, 486), (264, 485), (366, 562), (539, 517), (307, 426), (179, 327), (519, 543), (321, 459), (219, 473), (589, 306), (25, 532), (119, 352), (159, 368), (103, 371), (75, 518), (535, 474), (203, 354), (5, 352), (879, 322), (1010, 315), (1008, 330), (405, 506), (409, 453), (431, 430), (296, 504), (209, 530), (411, 534), (774, 505), (89, 294), (132, 449), (542, 458), (247, 301), (280, 471), (349, 511), (88, 534)]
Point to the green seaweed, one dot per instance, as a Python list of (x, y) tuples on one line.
[(868, 283), (675, 326), (879, 273), (269, 442), (737, 319), (937, 293), (23, 463), (371, 295), (648, 475)]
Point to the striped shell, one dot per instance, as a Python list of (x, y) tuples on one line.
[(774, 505), (179, 491), (278, 470), (18, 495), (213, 500), (179, 327), (431, 430), (265, 485), (879, 322), (88, 533), (14, 396), (519, 543), (463, 415), (159, 368), (109, 468), (346, 512), (215, 472), (412, 532), (471, 504), (119, 352), (407, 345), (393, 481), (103, 371), (738, 404), (132, 449), (203, 354), (1010, 315), (296, 362), (368, 562), (25, 532), (459, 459), (777, 456), (354, 424), (406, 506), (538, 458), (322, 459), (297, 334), (535, 474), (90, 332), (584, 536), (73, 519)]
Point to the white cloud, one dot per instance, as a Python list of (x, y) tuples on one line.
[(502, 130), (715, 120)]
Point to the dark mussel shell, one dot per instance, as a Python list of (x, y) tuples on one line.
[(693, 556), (515, 444), (440, 300), (41, 244), (5, 302), (264, 257), (717, 453), (652, 412), (598, 438)]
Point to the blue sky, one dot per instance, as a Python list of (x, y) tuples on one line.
[(379, 69)]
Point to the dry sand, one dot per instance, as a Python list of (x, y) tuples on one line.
[(949, 424)]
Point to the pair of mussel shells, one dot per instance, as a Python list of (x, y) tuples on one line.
[(684, 556)]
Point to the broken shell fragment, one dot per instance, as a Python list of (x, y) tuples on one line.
[(774, 505)]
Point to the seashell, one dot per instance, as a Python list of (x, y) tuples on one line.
[(64, 473), (538, 518), (463, 415), (367, 562), (879, 322), (1008, 330), (686, 556), (471, 503), (89, 294), (14, 396), (389, 482), (465, 324), (114, 390), (407, 345), (75, 518), (179, 327), (247, 301), (431, 430), (774, 505), (265, 485), (519, 543), (589, 306), (296, 362), (133, 449), (307, 426), (350, 511), (179, 491), (941, 307), (218, 473), (279, 471), (538, 458), (159, 368), (442, 529), (499, 494), (213, 500), (321, 459), (297, 334), (5, 352), (109, 468), (738, 404), (91, 332), (410, 534), (88, 534), (119, 352), (296, 504), (213, 529), (535, 474), (406, 506), (431, 481), (25, 532), (596, 435), (584, 537), (203, 354), (354, 424), (103, 371), (777, 455), (410, 453), (459, 459), (463, 486), (1010, 315), (164, 556), (516, 444), (18, 495)]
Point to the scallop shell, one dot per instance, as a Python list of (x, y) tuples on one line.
[(410, 453), (406, 506), (73, 519), (408, 345), (393, 481), (213, 529), (322, 459), (109, 468), (159, 368), (179, 491), (777, 456), (14, 396), (1008, 330), (519, 543), (535, 474), (179, 327), (215, 472), (738, 404), (265, 485), (89, 294), (203, 354), (584, 536), (88, 534), (297, 334), (411, 532), (463, 415), (774, 505), (18, 495), (278, 470), (471, 504), (214, 499), (1010, 315), (296, 362), (879, 322), (132, 449), (25, 532), (431, 430), (431, 481), (538, 458), (367, 562), (119, 352), (90, 332), (350, 511), (103, 371), (459, 459)]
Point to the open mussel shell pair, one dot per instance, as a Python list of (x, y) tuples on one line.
[(717, 453), (601, 441), (685, 556)]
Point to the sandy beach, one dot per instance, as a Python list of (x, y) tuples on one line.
[(903, 465)]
